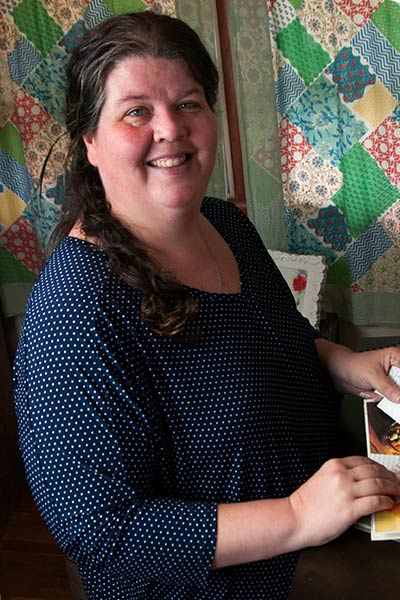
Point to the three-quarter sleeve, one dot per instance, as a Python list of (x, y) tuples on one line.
[(91, 438)]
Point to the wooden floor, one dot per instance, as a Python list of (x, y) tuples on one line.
[(31, 565)]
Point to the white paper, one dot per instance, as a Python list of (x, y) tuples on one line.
[(392, 408)]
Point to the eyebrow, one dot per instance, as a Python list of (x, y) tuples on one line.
[(139, 97)]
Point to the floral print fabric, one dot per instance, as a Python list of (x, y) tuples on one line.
[(337, 66)]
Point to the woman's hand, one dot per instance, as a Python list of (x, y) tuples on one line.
[(361, 373), (342, 491)]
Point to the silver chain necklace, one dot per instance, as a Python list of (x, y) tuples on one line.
[(215, 262)]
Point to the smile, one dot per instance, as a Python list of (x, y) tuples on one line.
[(167, 163)]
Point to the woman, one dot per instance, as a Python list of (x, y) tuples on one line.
[(173, 412)]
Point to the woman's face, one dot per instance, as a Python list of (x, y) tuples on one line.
[(156, 139)]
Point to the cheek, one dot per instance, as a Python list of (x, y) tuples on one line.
[(205, 135), (126, 146), (114, 146)]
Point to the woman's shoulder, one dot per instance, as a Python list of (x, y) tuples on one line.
[(77, 277), (222, 211), (229, 219), (73, 266)]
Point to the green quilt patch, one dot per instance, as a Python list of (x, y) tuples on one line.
[(10, 142), (387, 20), (339, 273), (40, 28), (296, 3), (366, 192), (118, 7), (13, 271), (305, 54)]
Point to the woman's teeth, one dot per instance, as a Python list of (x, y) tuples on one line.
[(168, 162)]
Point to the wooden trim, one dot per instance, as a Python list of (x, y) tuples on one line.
[(231, 106)]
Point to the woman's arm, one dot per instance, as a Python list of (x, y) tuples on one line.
[(360, 373), (341, 492), (337, 495)]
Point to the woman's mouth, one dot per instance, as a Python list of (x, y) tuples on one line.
[(167, 163)]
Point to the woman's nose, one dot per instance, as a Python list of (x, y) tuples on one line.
[(168, 126)]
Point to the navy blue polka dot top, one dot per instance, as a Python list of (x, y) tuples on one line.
[(130, 440)]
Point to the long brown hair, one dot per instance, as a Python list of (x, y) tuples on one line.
[(166, 306)]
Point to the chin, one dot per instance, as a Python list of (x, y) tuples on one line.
[(182, 200)]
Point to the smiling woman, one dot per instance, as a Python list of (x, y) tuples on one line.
[(164, 138), (144, 115), (173, 411)]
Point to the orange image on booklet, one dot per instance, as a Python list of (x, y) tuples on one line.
[(383, 445), (386, 524)]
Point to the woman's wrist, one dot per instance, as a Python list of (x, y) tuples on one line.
[(255, 530), (334, 358)]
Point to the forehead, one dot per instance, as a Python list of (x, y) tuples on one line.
[(142, 76)]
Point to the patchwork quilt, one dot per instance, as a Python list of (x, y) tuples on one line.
[(337, 82)]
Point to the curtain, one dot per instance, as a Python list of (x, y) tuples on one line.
[(201, 16), (255, 93), (36, 37), (336, 70)]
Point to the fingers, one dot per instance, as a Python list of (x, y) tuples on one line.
[(372, 482), (389, 390), (394, 358), (371, 504), (374, 477), (384, 384), (374, 488), (353, 461), (364, 470), (370, 396), (378, 484)]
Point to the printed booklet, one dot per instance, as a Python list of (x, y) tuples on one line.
[(382, 424)]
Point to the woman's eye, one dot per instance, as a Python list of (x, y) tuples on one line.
[(139, 111), (189, 105)]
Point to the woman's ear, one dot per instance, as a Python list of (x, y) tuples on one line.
[(90, 143)]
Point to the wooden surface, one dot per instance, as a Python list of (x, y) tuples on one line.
[(31, 565), (349, 568)]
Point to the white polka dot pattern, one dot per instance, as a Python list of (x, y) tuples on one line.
[(130, 440)]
